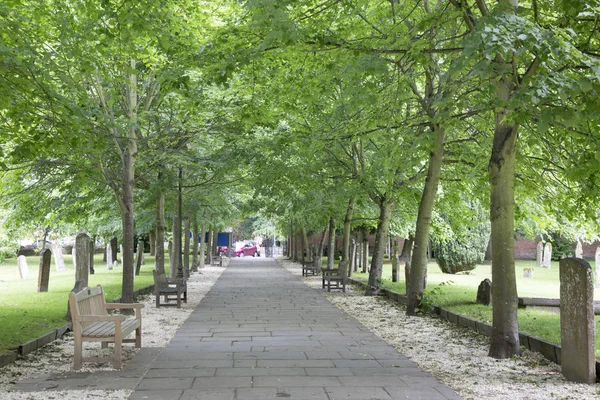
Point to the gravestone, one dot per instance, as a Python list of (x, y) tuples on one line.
[(597, 260), (528, 272), (484, 292), (539, 254), (74, 257), (547, 255), (578, 250), (23, 267), (44, 274), (82, 258), (109, 257), (138, 257), (577, 324), (59, 261)]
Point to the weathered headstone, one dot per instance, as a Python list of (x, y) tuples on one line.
[(23, 267), (578, 250), (539, 254), (597, 261), (577, 324), (82, 258), (547, 255), (484, 292), (138, 257), (528, 272), (59, 261), (44, 274), (109, 257), (74, 257)]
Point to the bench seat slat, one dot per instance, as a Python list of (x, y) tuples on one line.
[(107, 329)]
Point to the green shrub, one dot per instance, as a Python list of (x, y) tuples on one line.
[(463, 252), (561, 247)]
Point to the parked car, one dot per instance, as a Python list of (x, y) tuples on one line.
[(249, 249)]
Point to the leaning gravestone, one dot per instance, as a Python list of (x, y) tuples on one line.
[(597, 260), (82, 258), (23, 267), (578, 250), (484, 292), (547, 255), (539, 254), (138, 257), (577, 324), (59, 261), (109, 257), (44, 274)]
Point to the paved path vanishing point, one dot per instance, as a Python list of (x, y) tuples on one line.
[(260, 334)]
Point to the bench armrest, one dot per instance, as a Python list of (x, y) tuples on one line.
[(99, 318)]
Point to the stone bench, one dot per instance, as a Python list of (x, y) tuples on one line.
[(92, 323)]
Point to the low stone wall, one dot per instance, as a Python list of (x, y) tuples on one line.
[(55, 334), (549, 350)]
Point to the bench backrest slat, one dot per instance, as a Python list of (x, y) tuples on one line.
[(89, 301)]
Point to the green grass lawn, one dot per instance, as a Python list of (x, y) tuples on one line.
[(459, 295), (26, 314)]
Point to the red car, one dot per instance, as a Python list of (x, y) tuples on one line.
[(249, 249)]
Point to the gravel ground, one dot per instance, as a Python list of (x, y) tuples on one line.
[(159, 326), (454, 355)]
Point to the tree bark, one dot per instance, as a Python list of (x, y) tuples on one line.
[(196, 243), (202, 246), (331, 249), (92, 253), (159, 259), (364, 251), (306, 252), (186, 247), (505, 332), (418, 266), (383, 225), (209, 245), (175, 253), (345, 261), (320, 246), (395, 260), (180, 270)]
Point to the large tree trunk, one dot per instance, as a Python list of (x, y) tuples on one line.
[(175, 255), (331, 249), (202, 245), (345, 261), (320, 247), (505, 333), (383, 225), (186, 247), (209, 246), (179, 261), (306, 252), (395, 260), (364, 251), (196, 243), (418, 266), (159, 259), (290, 247)]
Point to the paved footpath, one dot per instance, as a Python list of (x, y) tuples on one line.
[(259, 334)]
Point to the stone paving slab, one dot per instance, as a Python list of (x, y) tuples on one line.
[(262, 334)]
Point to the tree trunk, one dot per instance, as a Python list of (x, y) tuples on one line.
[(505, 332), (152, 239), (186, 247), (383, 225), (180, 273), (209, 246), (92, 252), (159, 259), (345, 261), (364, 251), (418, 266), (290, 248), (331, 249), (202, 245), (196, 243), (175, 254), (353, 259), (320, 246), (395, 260), (215, 240), (306, 247)]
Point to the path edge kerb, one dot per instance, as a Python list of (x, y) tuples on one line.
[(55, 334)]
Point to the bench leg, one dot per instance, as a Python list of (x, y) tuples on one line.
[(104, 345), (185, 296), (78, 355), (118, 349), (138, 337), (178, 299)]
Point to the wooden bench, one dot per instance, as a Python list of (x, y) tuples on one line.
[(332, 280), (93, 323), (217, 261), (169, 289), (309, 267)]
